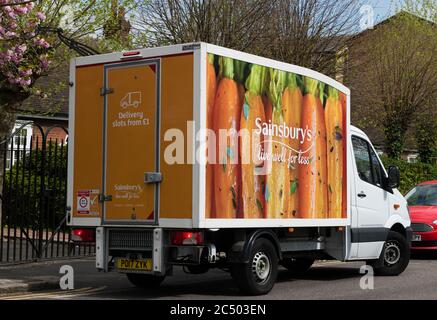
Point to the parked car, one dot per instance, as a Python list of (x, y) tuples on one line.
[(422, 202)]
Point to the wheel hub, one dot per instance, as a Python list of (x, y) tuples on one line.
[(261, 267), (392, 253)]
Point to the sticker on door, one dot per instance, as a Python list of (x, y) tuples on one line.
[(88, 202)]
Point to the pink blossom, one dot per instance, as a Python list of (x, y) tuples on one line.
[(7, 9), (2, 30), (44, 63), (41, 42), (21, 48), (30, 5), (26, 73), (13, 25), (10, 34), (41, 16), (16, 59), (21, 9), (12, 14), (25, 82)]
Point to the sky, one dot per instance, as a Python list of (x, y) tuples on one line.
[(383, 8)]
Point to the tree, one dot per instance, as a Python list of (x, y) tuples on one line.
[(392, 76), (236, 24), (426, 134), (311, 33), (303, 32), (24, 57)]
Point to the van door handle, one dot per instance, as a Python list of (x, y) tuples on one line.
[(152, 177), (361, 195)]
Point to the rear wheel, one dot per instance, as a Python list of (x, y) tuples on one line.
[(259, 275), (395, 256), (146, 281), (297, 265)]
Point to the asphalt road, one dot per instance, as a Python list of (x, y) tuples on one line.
[(327, 280)]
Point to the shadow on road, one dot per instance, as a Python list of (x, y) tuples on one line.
[(226, 286), (325, 273), (427, 255)]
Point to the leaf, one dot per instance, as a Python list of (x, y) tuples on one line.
[(246, 110), (259, 205), (293, 186), (230, 153), (234, 194), (267, 193)]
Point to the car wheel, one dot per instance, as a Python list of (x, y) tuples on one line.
[(146, 281), (395, 256), (259, 275)]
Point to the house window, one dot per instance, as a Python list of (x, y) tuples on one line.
[(20, 138), (412, 158), (8, 160)]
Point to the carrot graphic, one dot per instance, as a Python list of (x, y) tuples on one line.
[(239, 76), (277, 182), (313, 197), (343, 103), (265, 82), (292, 110), (252, 184), (334, 130), (210, 94), (226, 117)]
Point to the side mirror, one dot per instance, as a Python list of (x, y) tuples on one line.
[(393, 179)]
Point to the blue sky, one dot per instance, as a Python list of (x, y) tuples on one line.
[(383, 8)]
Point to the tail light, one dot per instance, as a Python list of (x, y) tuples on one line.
[(186, 238), (83, 235)]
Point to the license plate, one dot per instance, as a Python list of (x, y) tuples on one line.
[(135, 264), (417, 237)]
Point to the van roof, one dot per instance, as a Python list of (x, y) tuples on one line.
[(357, 130)]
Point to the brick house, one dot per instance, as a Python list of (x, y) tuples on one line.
[(50, 114)]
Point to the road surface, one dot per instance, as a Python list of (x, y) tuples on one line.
[(326, 280)]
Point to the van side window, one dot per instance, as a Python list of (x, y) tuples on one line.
[(362, 159), (376, 169), (368, 165)]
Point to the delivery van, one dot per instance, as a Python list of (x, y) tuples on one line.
[(199, 156)]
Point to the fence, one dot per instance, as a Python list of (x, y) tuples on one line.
[(33, 198)]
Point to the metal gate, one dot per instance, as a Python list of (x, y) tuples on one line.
[(33, 188)]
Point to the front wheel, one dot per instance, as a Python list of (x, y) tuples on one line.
[(146, 281), (259, 275), (395, 256)]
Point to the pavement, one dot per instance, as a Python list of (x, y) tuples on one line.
[(325, 280)]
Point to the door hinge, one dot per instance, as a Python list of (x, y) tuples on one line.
[(104, 91), (103, 198)]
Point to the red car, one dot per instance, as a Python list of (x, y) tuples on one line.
[(422, 203)]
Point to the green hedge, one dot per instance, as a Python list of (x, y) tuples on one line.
[(24, 202), (412, 173)]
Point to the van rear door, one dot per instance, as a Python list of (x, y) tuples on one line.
[(131, 142)]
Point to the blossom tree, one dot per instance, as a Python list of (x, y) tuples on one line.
[(24, 55)]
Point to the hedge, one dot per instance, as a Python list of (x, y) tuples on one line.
[(412, 173)]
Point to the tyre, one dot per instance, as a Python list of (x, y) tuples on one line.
[(297, 265), (146, 281), (395, 256), (259, 275)]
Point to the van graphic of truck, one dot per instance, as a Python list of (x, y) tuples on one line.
[(131, 99)]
